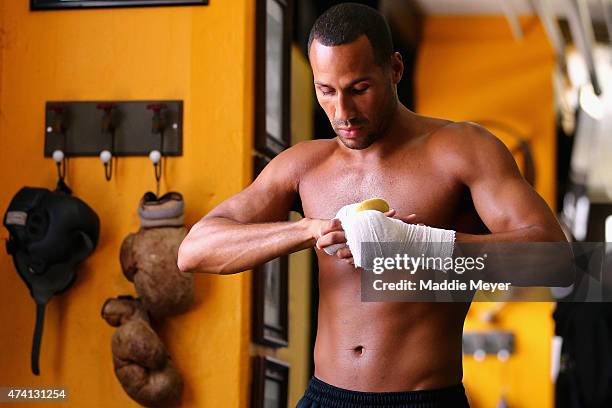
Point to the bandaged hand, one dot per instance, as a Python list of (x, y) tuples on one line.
[(372, 226), (332, 238)]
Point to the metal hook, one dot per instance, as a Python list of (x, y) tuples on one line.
[(108, 126), (59, 126), (107, 158), (61, 163), (158, 126), (155, 156)]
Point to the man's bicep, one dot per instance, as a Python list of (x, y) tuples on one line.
[(509, 203), (502, 197), (267, 199)]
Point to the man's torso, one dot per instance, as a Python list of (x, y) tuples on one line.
[(390, 346)]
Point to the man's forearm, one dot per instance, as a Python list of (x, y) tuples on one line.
[(527, 234), (223, 246), (531, 256)]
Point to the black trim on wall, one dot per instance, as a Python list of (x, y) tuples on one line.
[(40, 5)]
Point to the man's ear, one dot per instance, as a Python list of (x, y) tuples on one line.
[(397, 67)]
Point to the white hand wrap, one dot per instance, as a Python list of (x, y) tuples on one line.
[(375, 227)]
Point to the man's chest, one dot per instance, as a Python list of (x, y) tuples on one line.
[(408, 188)]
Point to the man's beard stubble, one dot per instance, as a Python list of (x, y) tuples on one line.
[(360, 144)]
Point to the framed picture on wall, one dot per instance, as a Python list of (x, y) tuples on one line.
[(270, 297), (76, 4), (273, 71), (270, 383), (270, 291)]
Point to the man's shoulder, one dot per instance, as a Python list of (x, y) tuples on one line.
[(310, 151), (461, 133), (462, 138), (466, 148), (302, 157)]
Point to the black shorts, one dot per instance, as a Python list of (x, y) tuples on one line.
[(319, 394)]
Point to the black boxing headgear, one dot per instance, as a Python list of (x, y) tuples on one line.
[(50, 233)]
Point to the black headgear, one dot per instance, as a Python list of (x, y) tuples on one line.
[(50, 232)]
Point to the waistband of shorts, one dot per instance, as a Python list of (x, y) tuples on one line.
[(335, 397)]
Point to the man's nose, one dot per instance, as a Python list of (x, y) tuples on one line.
[(345, 110)]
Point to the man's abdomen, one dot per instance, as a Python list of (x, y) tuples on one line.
[(387, 346)]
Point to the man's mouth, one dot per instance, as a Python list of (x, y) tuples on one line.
[(350, 132)]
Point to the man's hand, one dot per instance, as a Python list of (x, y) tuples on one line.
[(330, 232), (410, 219)]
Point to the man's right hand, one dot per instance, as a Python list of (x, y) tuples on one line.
[(330, 232)]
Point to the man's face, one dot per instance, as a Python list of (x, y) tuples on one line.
[(357, 95)]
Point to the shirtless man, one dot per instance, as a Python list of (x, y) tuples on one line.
[(440, 173)]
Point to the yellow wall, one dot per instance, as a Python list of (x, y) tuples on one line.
[(471, 68), (1, 53), (298, 352), (202, 55)]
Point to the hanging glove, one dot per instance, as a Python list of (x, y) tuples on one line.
[(142, 364), (149, 256)]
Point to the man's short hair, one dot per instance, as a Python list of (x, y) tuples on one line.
[(345, 22)]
